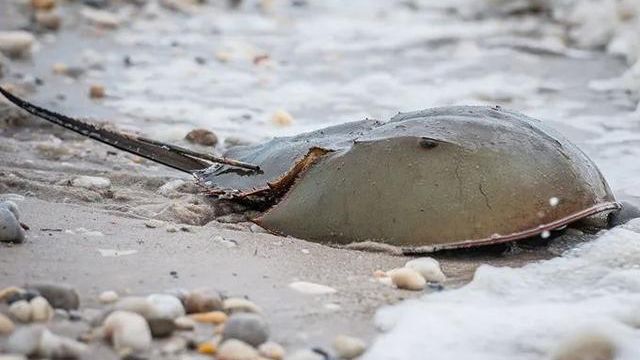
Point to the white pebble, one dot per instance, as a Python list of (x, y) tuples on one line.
[(21, 310), (108, 297), (428, 267), (232, 305), (184, 323), (554, 201), (272, 350), (11, 206), (16, 43), (165, 306), (128, 331), (41, 310), (91, 182), (101, 18), (37, 341), (153, 223), (348, 347), (311, 288), (408, 279), (233, 349)]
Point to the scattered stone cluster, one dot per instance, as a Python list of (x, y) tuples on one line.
[(46, 320)]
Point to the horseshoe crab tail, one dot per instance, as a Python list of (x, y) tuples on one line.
[(170, 155)]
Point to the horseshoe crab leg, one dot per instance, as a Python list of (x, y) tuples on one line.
[(170, 155)]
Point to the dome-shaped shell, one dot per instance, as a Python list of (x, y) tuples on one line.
[(441, 178)]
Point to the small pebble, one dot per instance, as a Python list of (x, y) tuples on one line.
[(48, 20), (165, 306), (203, 300), (91, 182), (43, 4), (233, 349), (185, 323), (101, 18), (37, 341), (21, 310), (247, 327), (16, 43), (153, 223), (208, 348), (108, 297), (10, 229), (128, 331), (202, 137), (40, 309), (407, 279), (347, 347), (6, 325), (59, 296), (272, 350), (161, 327), (428, 267), (212, 317), (586, 347), (311, 288), (97, 91), (282, 118), (233, 305)]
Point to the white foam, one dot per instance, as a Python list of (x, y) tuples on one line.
[(525, 313)]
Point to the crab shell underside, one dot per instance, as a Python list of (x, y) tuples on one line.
[(435, 179)]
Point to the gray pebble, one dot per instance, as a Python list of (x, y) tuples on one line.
[(161, 327), (10, 229), (249, 328), (11, 206), (59, 296)]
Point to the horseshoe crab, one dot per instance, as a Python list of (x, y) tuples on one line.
[(442, 178)]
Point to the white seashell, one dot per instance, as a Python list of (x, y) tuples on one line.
[(428, 267)]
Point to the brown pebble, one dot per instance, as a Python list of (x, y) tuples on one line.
[(49, 20), (43, 4), (213, 317), (202, 137), (97, 92), (586, 347)]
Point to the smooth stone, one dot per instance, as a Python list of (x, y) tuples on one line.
[(37, 341), (212, 317), (97, 91), (11, 206), (153, 223), (108, 297), (202, 137), (40, 309), (586, 347), (185, 323), (233, 349), (101, 18), (128, 331), (21, 310), (165, 306), (311, 288), (305, 355), (49, 20), (59, 296), (428, 267), (247, 327), (203, 300), (22, 295), (91, 182), (347, 347), (233, 305), (10, 229), (407, 279), (272, 350), (16, 43), (43, 4), (282, 118), (6, 325), (136, 304), (161, 327)]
